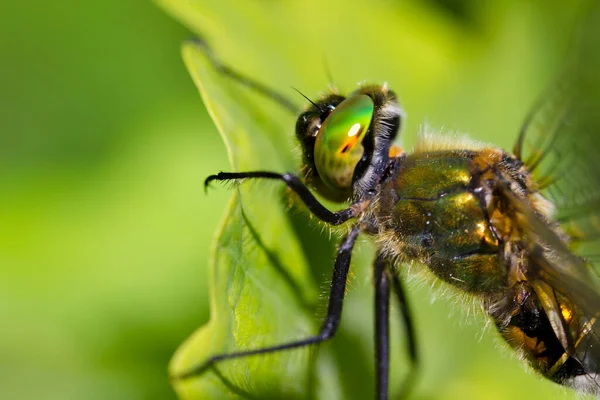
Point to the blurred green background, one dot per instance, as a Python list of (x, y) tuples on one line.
[(104, 144)]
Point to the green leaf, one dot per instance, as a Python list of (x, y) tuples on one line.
[(256, 253), (270, 259)]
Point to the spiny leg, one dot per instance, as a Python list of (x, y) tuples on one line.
[(295, 184), (243, 79), (382, 329), (329, 326), (409, 330)]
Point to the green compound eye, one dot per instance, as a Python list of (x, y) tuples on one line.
[(338, 147)]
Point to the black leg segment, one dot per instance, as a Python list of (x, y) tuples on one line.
[(329, 326), (382, 329), (411, 338), (295, 184)]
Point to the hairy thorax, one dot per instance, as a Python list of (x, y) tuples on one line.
[(439, 208)]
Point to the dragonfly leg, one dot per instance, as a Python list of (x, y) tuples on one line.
[(411, 338), (328, 327), (382, 329), (296, 185)]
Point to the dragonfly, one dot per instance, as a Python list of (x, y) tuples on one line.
[(511, 229)]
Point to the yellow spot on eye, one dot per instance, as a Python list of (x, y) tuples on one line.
[(354, 130)]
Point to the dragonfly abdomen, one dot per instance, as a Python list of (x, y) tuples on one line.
[(524, 323)]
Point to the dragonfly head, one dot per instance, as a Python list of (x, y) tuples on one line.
[(340, 135)]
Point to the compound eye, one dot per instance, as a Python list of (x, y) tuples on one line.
[(338, 147)]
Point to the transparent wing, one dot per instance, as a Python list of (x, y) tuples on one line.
[(560, 142)]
